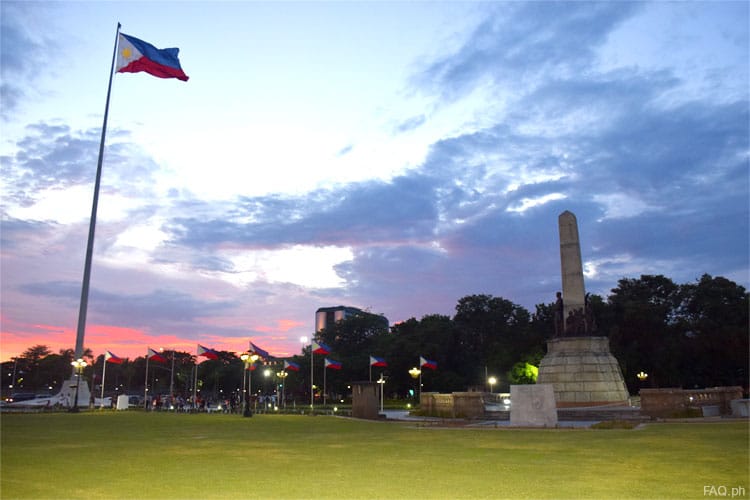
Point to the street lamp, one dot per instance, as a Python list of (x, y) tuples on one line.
[(248, 359), (381, 381), (282, 375), (492, 381), (416, 373), (78, 365)]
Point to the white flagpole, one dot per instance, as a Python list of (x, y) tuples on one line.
[(92, 223), (312, 385), (325, 369), (195, 386), (104, 373), (145, 390)]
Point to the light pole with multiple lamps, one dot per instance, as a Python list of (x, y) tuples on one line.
[(416, 373), (282, 375), (78, 365), (248, 359)]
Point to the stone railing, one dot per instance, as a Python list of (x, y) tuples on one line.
[(675, 401), (455, 405)]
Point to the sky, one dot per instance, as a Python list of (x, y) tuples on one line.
[(391, 156)]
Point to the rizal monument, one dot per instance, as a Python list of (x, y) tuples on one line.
[(578, 364)]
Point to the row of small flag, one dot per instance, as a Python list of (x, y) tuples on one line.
[(317, 348), (212, 354)]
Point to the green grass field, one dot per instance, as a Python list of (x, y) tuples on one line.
[(162, 455)]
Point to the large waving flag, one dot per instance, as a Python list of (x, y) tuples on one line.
[(288, 365), (333, 365), (155, 356), (108, 356), (209, 353), (134, 55), (320, 348), (374, 361), (260, 352), (426, 363)]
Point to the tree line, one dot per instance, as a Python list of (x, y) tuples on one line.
[(680, 335)]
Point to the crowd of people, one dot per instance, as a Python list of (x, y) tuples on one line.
[(231, 404)]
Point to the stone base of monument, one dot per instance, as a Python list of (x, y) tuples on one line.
[(583, 372), (68, 393), (533, 406)]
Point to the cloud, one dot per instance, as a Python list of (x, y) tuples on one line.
[(23, 51), (655, 172), (524, 43)]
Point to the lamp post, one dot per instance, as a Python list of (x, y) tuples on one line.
[(78, 366), (248, 359), (416, 374), (492, 381), (381, 381), (303, 340), (642, 376), (282, 375), (266, 373)]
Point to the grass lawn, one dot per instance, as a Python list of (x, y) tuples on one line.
[(162, 455)]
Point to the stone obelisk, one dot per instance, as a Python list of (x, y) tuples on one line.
[(579, 365), (574, 293)]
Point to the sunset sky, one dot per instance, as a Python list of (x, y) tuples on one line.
[(390, 156)]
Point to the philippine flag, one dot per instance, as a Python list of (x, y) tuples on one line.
[(260, 352), (320, 348), (155, 356), (288, 365), (108, 356), (134, 55), (426, 363), (209, 353), (333, 365), (377, 361)]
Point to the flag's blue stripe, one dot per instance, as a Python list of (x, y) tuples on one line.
[(165, 57)]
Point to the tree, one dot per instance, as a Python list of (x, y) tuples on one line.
[(495, 333), (642, 322), (715, 321)]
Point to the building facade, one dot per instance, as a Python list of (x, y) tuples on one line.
[(328, 316)]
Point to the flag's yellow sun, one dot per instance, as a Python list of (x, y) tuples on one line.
[(126, 52)]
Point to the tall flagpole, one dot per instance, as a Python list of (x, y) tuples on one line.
[(145, 386), (312, 385), (104, 374), (92, 223)]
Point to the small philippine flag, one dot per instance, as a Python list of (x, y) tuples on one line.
[(374, 361), (320, 348), (209, 353), (155, 356), (288, 365), (108, 356), (333, 365), (427, 363), (260, 352)]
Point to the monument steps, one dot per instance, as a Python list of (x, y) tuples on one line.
[(592, 413)]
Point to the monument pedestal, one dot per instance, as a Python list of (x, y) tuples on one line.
[(583, 372), (67, 394)]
